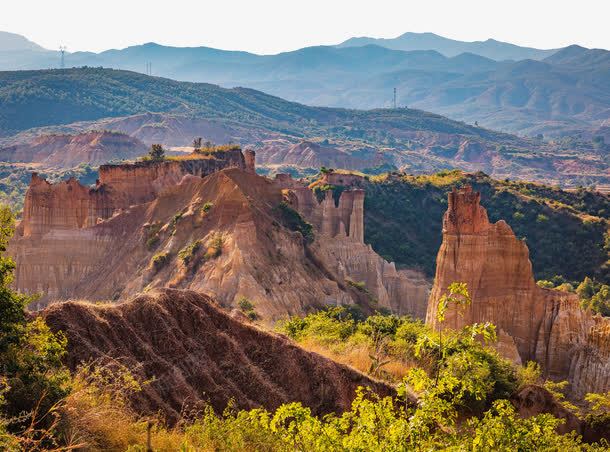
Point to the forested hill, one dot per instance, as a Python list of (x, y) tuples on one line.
[(53, 97)]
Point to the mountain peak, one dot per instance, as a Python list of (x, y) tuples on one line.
[(10, 42)]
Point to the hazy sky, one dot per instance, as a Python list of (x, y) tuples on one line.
[(271, 26)]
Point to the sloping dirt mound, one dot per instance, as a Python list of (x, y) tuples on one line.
[(197, 353)]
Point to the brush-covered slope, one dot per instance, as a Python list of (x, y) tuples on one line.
[(192, 352), (55, 97)]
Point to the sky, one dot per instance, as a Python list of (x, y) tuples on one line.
[(272, 26)]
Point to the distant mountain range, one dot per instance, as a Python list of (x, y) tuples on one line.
[(550, 92), (495, 50)]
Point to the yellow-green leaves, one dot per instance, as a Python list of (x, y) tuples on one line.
[(457, 294)]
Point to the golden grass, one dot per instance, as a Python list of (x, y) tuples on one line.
[(358, 356), (98, 417)]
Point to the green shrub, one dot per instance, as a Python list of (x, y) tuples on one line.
[(295, 222), (206, 207), (159, 260), (32, 378), (247, 307), (186, 254), (215, 246)]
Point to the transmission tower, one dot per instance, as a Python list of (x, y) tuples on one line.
[(394, 98), (62, 51)]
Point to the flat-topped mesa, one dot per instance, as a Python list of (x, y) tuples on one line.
[(70, 205), (342, 179), (542, 325)]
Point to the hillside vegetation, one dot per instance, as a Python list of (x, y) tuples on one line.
[(53, 97), (566, 232)]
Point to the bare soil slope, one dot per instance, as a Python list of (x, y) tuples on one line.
[(195, 353)]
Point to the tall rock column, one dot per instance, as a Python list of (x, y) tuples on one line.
[(356, 219), (542, 325)]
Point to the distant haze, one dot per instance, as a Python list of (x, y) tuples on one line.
[(271, 26)]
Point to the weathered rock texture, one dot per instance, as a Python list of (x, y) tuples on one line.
[(341, 245), (194, 353), (544, 325), (147, 226), (66, 151), (70, 205)]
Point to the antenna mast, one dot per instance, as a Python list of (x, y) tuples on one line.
[(62, 50), (394, 98)]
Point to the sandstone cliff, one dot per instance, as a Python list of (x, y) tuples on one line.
[(537, 324), (146, 226), (69, 205), (66, 151), (193, 353), (341, 244)]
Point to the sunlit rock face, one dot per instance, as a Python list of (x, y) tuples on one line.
[(538, 324), (340, 244), (100, 243)]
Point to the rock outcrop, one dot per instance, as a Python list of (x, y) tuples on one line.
[(194, 353), (67, 151), (162, 225), (69, 205), (542, 325), (341, 244)]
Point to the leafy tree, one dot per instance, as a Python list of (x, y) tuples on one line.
[(32, 376), (156, 152), (197, 144), (586, 289)]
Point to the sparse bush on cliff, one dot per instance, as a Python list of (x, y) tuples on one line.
[(294, 221), (159, 260), (215, 245), (206, 207), (151, 235), (247, 307), (186, 254), (156, 153)]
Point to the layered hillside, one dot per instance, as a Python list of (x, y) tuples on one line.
[(190, 224), (157, 110), (194, 353), (542, 325), (67, 151)]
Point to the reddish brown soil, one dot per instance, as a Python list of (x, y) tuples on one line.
[(197, 353)]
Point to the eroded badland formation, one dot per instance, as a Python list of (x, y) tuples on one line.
[(534, 324), (161, 224), (209, 224)]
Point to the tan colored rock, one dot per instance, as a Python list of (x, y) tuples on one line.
[(69, 205), (544, 325), (65, 252), (341, 246)]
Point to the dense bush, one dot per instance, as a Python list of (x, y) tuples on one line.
[(32, 378)]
